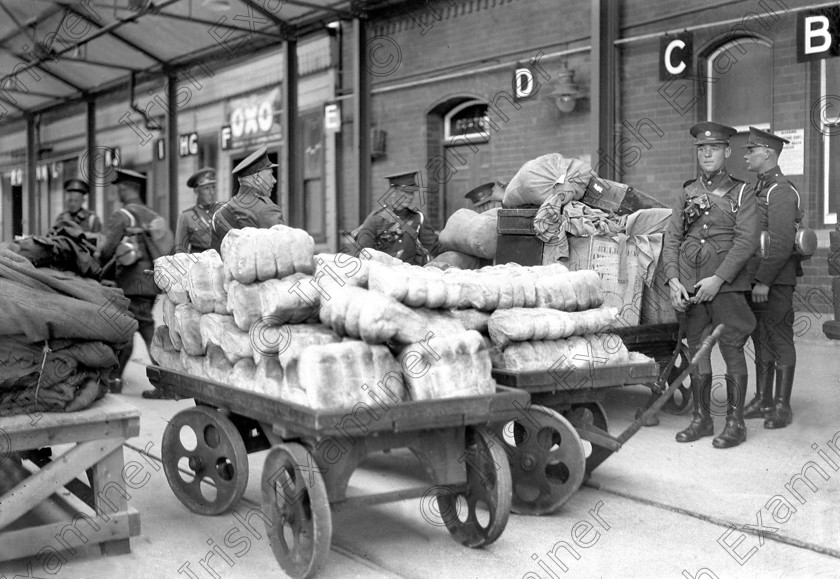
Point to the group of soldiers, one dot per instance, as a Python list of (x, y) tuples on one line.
[(397, 228), (717, 271), (729, 257)]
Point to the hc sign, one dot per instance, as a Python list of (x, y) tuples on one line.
[(675, 53), (818, 34), (188, 145)]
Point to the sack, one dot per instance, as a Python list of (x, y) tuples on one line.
[(150, 240), (539, 178)]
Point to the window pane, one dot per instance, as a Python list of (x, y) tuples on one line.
[(742, 84)]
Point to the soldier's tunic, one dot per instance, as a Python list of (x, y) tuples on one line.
[(88, 221), (714, 229), (778, 204), (246, 209), (398, 233), (194, 231)]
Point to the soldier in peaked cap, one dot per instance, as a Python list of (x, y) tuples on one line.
[(712, 234), (75, 191), (251, 206), (486, 193), (774, 279), (131, 277), (193, 232), (398, 227)]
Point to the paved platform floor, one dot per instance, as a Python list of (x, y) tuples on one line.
[(654, 509)]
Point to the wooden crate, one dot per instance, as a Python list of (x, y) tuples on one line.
[(104, 516), (516, 221), (601, 254)]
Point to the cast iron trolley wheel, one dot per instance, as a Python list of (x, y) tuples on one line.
[(295, 499), (591, 413), (488, 492), (218, 455), (680, 402), (547, 461)]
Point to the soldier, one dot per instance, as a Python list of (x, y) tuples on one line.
[(137, 286), (773, 278), (193, 232), (712, 234), (75, 191), (398, 228), (251, 206), (486, 196)]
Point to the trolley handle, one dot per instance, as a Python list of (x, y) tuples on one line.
[(702, 352)]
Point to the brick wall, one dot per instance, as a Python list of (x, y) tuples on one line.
[(451, 35), (670, 160), (813, 290), (455, 38)]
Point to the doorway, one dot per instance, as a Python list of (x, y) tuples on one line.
[(466, 131), (472, 167)]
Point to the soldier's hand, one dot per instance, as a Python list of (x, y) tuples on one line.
[(679, 295), (760, 292), (707, 288)]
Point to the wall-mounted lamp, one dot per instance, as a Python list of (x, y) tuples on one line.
[(564, 91)]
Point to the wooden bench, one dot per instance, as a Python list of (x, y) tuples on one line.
[(98, 514)]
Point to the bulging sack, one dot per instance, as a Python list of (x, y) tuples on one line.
[(472, 233), (539, 178)]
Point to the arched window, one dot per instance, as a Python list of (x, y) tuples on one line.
[(739, 79), (467, 122)]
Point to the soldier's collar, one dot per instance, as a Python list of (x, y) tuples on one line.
[(706, 177), (774, 172)]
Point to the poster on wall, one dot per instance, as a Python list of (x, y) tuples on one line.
[(254, 119), (792, 159)]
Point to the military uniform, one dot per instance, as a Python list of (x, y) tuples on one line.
[(133, 280), (401, 232), (193, 233), (249, 207), (713, 231), (87, 220), (194, 230), (775, 353)]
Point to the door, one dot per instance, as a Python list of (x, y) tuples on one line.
[(472, 167)]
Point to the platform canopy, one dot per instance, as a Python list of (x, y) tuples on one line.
[(58, 51)]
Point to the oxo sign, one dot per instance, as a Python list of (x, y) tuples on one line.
[(252, 119)]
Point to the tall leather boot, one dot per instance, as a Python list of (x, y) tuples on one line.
[(701, 423), (782, 415), (762, 404), (735, 431)]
